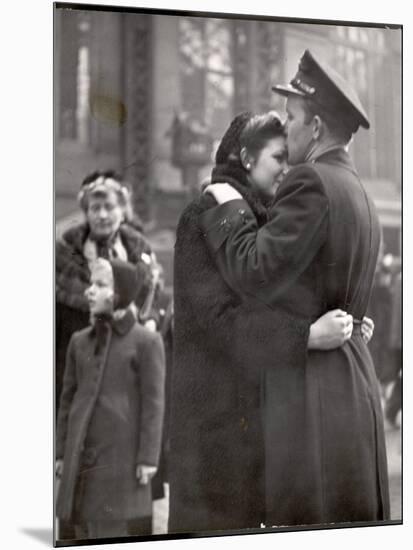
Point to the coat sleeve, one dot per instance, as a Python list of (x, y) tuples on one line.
[(218, 309), (68, 392), (199, 287), (152, 399), (258, 261)]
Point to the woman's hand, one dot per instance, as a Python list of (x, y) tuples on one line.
[(222, 192), (367, 329), (331, 330), (145, 473)]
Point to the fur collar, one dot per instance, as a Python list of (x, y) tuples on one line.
[(76, 236), (234, 174)]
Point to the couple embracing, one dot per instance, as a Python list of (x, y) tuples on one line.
[(275, 409)]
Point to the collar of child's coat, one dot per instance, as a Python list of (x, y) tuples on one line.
[(122, 324), (121, 321)]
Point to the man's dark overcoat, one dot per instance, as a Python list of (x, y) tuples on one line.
[(110, 419), (221, 343), (325, 446)]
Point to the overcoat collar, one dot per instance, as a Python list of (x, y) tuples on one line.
[(337, 156)]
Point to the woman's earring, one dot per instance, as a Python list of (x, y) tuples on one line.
[(248, 166)]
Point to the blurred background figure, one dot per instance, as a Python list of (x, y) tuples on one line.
[(385, 310), (385, 346), (394, 401)]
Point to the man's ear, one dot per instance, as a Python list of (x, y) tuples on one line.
[(318, 126), (246, 159)]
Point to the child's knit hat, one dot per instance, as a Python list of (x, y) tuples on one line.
[(129, 281)]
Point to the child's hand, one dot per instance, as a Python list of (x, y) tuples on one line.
[(59, 467), (150, 324), (144, 473)]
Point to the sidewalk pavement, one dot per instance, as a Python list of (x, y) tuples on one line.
[(394, 460)]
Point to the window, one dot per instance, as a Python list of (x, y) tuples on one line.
[(360, 58), (206, 71), (74, 78)]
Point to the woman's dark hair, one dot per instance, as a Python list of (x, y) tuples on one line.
[(250, 131), (259, 130)]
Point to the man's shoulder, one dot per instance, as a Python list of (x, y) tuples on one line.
[(304, 170), (305, 176)]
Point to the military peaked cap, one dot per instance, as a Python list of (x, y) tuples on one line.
[(318, 81)]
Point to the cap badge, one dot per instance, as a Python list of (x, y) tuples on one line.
[(302, 86)]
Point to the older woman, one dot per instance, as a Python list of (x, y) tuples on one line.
[(107, 232)]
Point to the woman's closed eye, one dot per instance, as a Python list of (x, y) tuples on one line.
[(280, 157)]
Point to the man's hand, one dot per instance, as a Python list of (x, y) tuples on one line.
[(367, 329), (144, 473), (331, 330), (222, 192)]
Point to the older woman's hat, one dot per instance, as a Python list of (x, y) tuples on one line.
[(315, 79), (101, 183)]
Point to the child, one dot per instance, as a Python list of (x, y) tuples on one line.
[(110, 418)]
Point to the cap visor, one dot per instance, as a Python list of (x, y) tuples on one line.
[(286, 90)]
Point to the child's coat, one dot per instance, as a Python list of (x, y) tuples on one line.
[(110, 420)]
